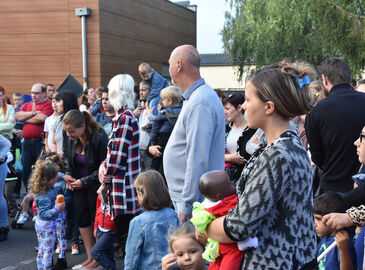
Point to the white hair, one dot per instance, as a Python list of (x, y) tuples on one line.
[(121, 91)]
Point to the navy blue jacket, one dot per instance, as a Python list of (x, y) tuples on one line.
[(332, 127), (164, 122)]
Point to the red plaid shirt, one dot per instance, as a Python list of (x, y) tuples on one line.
[(123, 163)]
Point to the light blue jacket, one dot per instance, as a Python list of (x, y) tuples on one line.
[(196, 144), (47, 211), (147, 239)]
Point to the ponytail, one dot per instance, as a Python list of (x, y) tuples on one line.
[(75, 118)]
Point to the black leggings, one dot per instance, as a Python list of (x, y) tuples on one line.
[(122, 226), (84, 205)]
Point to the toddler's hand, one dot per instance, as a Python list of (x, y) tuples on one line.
[(342, 240), (168, 261), (61, 205), (201, 237)]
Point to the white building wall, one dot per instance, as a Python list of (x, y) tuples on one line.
[(222, 77)]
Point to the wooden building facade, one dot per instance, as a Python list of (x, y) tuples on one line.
[(40, 40)]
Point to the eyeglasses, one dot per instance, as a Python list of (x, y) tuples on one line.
[(361, 137)]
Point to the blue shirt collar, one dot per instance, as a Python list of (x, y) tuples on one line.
[(186, 95)]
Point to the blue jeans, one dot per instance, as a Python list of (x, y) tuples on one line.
[(103, 251), (3, 206), (154, 102), (31, 149)]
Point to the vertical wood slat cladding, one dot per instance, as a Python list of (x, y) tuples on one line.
[(147, 31), (41, 39), (42, 42), (40, 6)]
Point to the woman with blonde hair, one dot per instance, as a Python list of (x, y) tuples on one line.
[(122, 164), (275, 188), (7, 120)]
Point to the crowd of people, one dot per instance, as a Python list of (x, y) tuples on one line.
[(273, 168)]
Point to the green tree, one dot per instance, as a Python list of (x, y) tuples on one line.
[(261, 32)]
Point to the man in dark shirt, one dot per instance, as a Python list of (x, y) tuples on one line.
[(333, 125)]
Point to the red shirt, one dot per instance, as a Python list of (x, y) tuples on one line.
[(102, 217), (31, 131)]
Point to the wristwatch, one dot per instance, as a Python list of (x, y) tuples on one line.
[(34, 113)]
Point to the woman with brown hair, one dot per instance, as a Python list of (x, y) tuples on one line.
[(238, 136), (275, 188), (83, 151)]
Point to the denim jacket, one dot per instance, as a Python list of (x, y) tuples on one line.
[(147, 243), (60, 188), (47, 211)]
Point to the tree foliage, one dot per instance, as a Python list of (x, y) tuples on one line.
[(261, 32)]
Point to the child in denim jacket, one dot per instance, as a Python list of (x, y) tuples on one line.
[(44, 177), (147, 243), (60, 188)]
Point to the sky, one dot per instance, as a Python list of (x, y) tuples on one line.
[(210, 21)]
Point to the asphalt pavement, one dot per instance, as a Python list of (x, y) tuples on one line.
[(18, 251)]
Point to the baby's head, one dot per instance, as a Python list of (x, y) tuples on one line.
[(324, 204), (188, 250), (215, 185)]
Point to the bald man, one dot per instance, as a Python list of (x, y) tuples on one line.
[(34, 114), (196, 144)]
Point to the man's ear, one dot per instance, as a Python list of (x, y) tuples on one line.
[(269, 107), (324, 80), (179, 65)]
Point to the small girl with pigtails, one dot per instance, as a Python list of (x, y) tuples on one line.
[(44, 177)]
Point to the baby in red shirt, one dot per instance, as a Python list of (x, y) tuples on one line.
[(220, 197)]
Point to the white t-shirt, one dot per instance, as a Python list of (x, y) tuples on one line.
[(232, 139), (48, 127)]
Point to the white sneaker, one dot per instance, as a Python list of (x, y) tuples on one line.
[(57, 249), (75, 250), (24, 216)]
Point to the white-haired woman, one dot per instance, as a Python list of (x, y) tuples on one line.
[(122, 164)]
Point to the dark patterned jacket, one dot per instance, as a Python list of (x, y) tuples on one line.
[(275, 203), (123, 163)]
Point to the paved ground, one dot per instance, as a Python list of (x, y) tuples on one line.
[(18, 251)]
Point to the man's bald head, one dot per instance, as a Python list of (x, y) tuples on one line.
[(188, 54), (184, 66)]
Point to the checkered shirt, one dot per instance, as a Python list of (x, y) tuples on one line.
[(123, 163)]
